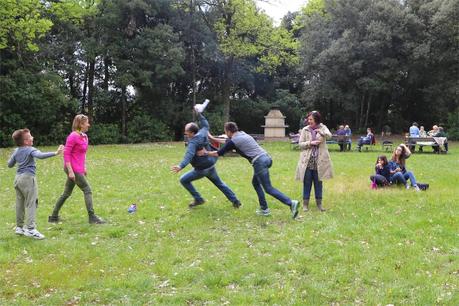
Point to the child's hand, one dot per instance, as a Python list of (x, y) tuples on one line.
[(60, 149)]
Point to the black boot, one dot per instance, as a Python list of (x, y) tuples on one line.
[(305, 204), (54, 219), (319, 204), (94, 219)]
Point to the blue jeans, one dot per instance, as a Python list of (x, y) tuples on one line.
[(212, 175), (364, 140), (309, 177), (261, 181), (402, 178)]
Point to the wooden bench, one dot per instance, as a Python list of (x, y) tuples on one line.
[(411, 142), (339, 140), (294, 139), (335, 139)]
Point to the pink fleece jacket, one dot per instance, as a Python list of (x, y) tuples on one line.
[(76, 146)]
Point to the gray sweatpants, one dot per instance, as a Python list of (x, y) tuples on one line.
[(26, 200)]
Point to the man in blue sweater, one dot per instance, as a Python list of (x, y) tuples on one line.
[(203, 166)]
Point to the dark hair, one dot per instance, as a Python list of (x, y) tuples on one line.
[(18, 136), (415, 124), (231, 127), (316, 116), (383, 158), (192, 127), (401, 159)]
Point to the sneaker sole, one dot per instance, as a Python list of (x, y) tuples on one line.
[(35, 237), (194, 205)]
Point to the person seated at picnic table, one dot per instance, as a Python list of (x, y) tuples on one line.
[(341, 133), (382, 172), (348, 131), (397, 168), (414, 132), (440, 139), (422, 132), (369, 139), (433, 131)]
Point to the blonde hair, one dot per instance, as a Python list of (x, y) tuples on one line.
[(78, 121)]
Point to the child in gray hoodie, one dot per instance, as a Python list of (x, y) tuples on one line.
[(25, 183)]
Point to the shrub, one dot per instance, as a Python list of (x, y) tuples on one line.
[(452, 125), (104, 133), (144, 128)]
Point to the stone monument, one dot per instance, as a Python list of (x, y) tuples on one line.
[(274, 125)]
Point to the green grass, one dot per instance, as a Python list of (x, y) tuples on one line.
[(380, 247)]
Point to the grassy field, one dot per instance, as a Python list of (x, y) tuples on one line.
[(372, 247)]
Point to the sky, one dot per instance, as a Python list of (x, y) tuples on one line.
[(278, 8)]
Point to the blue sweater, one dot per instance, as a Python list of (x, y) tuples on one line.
[(385, 171), (196, 143), (25, 158)]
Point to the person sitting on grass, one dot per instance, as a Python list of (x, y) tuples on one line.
[(399, 174), (369, 139), (382, 172), (25, 182)]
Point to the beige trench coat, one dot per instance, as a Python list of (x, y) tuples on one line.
[(324, 164)]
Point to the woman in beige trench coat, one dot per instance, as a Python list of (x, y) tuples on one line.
[(315, 164)]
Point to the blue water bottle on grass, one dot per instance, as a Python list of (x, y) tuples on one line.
[(132, 208)]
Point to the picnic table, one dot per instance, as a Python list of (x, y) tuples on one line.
[(339, 140), (434, 142)]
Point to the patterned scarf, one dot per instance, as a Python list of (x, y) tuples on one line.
[(315, 149)]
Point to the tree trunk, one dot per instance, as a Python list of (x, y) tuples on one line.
[(368, 110), (193, 60), (107, 63), (123, 113), (73, 87), (85, 88), (92, 65), (360, 116), (226, 90), (382, 115)]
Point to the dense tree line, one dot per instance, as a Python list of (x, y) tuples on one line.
[(136, 67)]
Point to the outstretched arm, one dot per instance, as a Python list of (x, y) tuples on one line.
[(190, 152), (216, 139), (203, 123)]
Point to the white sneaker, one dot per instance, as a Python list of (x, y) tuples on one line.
[(417, 188), (19, 230), (34, 234), (263, 212), (201, 107), (407, 187)]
